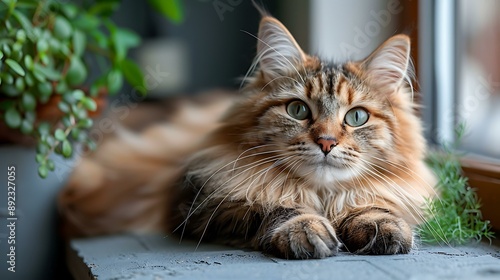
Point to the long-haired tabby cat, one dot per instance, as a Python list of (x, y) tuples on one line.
[(316, 157)]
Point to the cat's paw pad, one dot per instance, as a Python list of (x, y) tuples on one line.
[(377, 233), (305, 236)]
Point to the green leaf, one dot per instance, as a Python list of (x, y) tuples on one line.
[(48, 72), (65, 50), (77, 73), (28, 62), (75, 133), (115, 81), (21, 36), (51, 165), (16, 55), (123, 40), (69, 97), (64, 107), (12, 118), (28, 4), (51, 141), (69, 10), (43, 171), (78, 94), (45, 88), (81, 136), (86, 22), (42, 148), (42, 46), (133, 75), (97, 85), (171, 9), (44, 128), (20, 84), (89, 104), (54, 45), (26, 127), (17, 46), (44, 58), (24, 22), (39, 75), (37, 33), (79, 41), (15, 67), (8, 78), (80, 113), (61, 87), (62, 28), (10, 3), (7, 50), (60, 135), (30, 116), (66, 149), (29, 102), (85, 123), (105, 8), (40, 158), (66, 120), (101, 38)]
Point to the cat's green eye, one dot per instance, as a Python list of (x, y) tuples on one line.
[(356, 117), (298, 110)]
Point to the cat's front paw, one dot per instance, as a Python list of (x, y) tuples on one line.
[(378, 233), (305, 236)]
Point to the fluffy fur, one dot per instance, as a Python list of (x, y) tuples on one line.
[(263, 179)]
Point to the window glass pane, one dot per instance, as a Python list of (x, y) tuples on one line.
[(478, 85)]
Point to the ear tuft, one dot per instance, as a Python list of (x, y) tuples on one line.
[(277, 51), (387, 66)]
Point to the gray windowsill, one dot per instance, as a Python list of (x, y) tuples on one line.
[(163, 257)]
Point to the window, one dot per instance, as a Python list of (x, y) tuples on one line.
[(478, 84), (460, 78)]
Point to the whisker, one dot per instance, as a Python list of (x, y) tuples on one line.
[(401, 195), (224, 198), (268, 83), (191, 211)]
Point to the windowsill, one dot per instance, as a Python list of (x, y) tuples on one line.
[(163, 257), (484, 176)]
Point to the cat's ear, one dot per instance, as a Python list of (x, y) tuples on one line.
[(388, 66), (277, 51)]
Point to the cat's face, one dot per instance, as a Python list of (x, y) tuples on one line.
[(330, 122), (330, 125)]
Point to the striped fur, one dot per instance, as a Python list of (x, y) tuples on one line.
[(370, 188), (260, 180)]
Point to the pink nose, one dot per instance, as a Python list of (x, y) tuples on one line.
[(327, 144)]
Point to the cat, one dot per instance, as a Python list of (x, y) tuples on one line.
[(314, 158)]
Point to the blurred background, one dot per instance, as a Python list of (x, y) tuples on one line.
[(455, 48), (455, 51)]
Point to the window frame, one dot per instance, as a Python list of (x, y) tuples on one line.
[(439, 51)]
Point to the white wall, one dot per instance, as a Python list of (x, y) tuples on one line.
[(342, 29)]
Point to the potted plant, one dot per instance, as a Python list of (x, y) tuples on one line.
[(48, 101), (43, 49)]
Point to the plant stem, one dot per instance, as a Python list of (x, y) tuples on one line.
[(67, 131), (99, 50)]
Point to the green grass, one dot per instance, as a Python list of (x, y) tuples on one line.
[(455, 217)]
